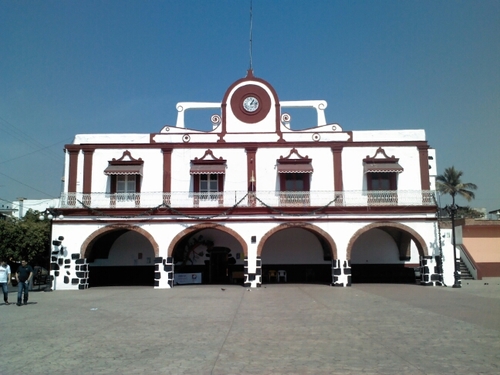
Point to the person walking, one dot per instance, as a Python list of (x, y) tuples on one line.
[(5, 280), (23, 275)]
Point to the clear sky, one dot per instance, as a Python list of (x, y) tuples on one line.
[(120, 66)]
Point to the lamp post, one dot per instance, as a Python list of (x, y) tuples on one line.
[(50, 214), (452, 210)]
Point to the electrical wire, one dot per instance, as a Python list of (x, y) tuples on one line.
[(225, 213)]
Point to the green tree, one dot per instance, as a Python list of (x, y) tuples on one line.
[(469, 213), (27, 238), (450, 183)]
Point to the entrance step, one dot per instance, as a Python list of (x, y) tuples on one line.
[(464, 271)]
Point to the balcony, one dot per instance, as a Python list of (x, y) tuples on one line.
[(350, 198)]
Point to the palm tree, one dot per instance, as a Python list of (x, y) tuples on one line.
[(450, 183)]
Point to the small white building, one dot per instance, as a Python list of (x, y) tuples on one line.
[(250, 201)]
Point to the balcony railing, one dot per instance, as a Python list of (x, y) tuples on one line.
[(178, 200)]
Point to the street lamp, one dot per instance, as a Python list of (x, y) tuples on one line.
[(51, 214), (452, 210)]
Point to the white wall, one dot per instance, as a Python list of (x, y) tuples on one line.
[(293, 246), (125, 252), (353, 169)]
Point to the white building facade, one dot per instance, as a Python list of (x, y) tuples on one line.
[(249, 202)]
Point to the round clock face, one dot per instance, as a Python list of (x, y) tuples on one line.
[(250, 104)]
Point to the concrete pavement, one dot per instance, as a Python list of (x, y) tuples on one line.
[(276, 329)]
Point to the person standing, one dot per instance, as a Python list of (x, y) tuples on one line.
[(23, 275), (5, 280)]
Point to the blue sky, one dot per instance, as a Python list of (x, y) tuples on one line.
[(120, 66)]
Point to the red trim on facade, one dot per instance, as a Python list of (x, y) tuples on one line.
[(308, 144), (208, 169), (87, 245), (167, 169), (88, 153), (251, 168), (250, 78), (294, 168), (338, 182), (207, 225), (123, 169), (383, 168), (73, 168), (302, 225), (237, 103), (419, 241), (343, 213), (423, 152)]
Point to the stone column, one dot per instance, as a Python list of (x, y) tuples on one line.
[(164, 273), (253, 280), (425, 275), (341, 272)]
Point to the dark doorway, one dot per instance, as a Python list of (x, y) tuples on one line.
[(121, 275), (219, 273), (121, 257), (383, 273)]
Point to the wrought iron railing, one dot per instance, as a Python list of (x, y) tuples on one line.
[(348, 198)]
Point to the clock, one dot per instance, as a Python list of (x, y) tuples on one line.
[(251, 104)]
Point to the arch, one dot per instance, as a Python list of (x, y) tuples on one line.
[(198, 227), (419, 241), (307, 226), (86, 245)]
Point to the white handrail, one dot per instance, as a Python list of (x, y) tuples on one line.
[(244, 199)]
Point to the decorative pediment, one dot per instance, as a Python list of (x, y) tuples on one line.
[(126, 165), (126, 158), (208, 164), (380, 156), (381, 163), (294, 163), (294, 157), (209, 158)]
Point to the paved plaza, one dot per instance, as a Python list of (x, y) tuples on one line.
[(276, 329)]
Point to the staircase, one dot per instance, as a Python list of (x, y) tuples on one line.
[(464, 271)]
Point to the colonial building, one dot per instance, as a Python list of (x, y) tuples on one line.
[(250, 201)]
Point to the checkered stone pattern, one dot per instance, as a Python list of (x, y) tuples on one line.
[(81, 271), (73, 270), (438, 272), (427, 278), (164, 267), (253, 279), (341, 273)]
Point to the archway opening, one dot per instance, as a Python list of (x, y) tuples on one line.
[(208, 256), (296, 255), (121, 257), (384, 255)]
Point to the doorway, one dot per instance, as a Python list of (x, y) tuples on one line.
[(218, 271)]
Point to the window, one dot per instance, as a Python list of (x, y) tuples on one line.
[(208, 178), (125, 179), (209, 186), (381, 178), (294, 173), (295, 181), (381, 181), (382, 189), (294, 189), (126, 187)]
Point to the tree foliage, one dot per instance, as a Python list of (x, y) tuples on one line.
[(27, 238), (469, 213), (450, 182)]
